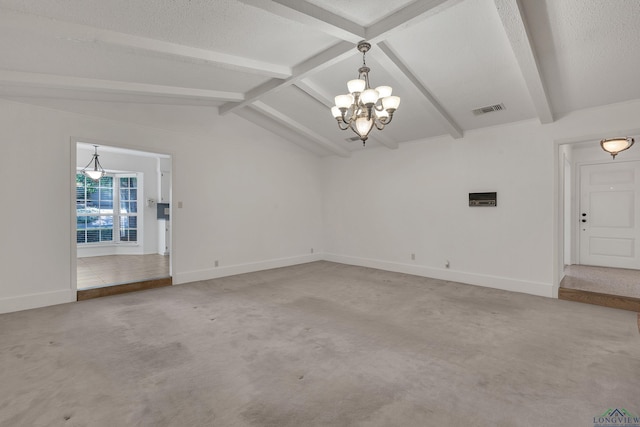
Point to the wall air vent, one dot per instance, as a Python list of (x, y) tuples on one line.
[(488, 109)]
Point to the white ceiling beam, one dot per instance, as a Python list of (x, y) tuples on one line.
[(402, 18), (512, 17), (319, 62), (222, 60), (320, 95), (304, 131), (265, 122), (315, 92), (312, 16), (291, 9), (390, 61), (20, 78), (79, 33)]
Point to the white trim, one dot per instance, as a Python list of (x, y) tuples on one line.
[(231, 270), (496, 282), (105, 250), (44, 299)]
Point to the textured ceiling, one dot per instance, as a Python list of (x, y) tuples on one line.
[(589, 51), (279, 63)]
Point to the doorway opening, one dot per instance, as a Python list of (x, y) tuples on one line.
[(122, 222), (599, 222)]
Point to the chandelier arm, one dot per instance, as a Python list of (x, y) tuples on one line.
[(345, 115), (390, 118), (88, 164), (354, 131), (346, 125), (379, 124)]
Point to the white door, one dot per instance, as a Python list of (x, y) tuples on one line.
[(608, 217)]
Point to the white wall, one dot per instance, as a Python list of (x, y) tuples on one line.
[(250, 200), (381, 206), (146, 167)]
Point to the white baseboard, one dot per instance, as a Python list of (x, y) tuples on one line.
[(496, 282), (26, 302), (230, 270)]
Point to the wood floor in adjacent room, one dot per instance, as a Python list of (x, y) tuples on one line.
[(318, 344), (118, 269)]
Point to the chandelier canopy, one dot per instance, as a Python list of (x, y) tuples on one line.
[(363, 108), (97, 171)]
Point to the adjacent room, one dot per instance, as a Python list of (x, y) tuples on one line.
[(320, 213), (122, 219)]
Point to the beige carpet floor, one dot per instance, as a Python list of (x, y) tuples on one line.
[(319, 344)]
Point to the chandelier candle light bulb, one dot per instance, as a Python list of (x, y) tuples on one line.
[(363, 108)]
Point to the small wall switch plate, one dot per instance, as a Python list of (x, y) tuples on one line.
[(179, 205)]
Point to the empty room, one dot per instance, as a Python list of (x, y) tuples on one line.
[(320, 213)]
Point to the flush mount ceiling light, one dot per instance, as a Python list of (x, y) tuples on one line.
[(363, 108), (615, 145), (97, 171)]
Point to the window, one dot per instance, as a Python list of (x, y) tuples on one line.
[(128, 220), (96, 221)]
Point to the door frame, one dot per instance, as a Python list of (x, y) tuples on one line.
[(558, 249)]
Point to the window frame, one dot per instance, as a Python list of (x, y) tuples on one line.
[(115, 214)]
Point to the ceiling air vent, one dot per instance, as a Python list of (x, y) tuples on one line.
[(488, 109), (353, 139)]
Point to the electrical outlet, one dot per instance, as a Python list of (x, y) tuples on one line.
[(215, 263), (413, 257)]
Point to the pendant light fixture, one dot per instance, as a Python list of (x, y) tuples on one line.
[(97, 171), (363, 108), (615, 145)]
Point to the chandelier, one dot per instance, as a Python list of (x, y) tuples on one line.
[(97, 172), (615, 145), (363, 108)]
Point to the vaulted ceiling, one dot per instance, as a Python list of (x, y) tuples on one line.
[(279, 63)]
